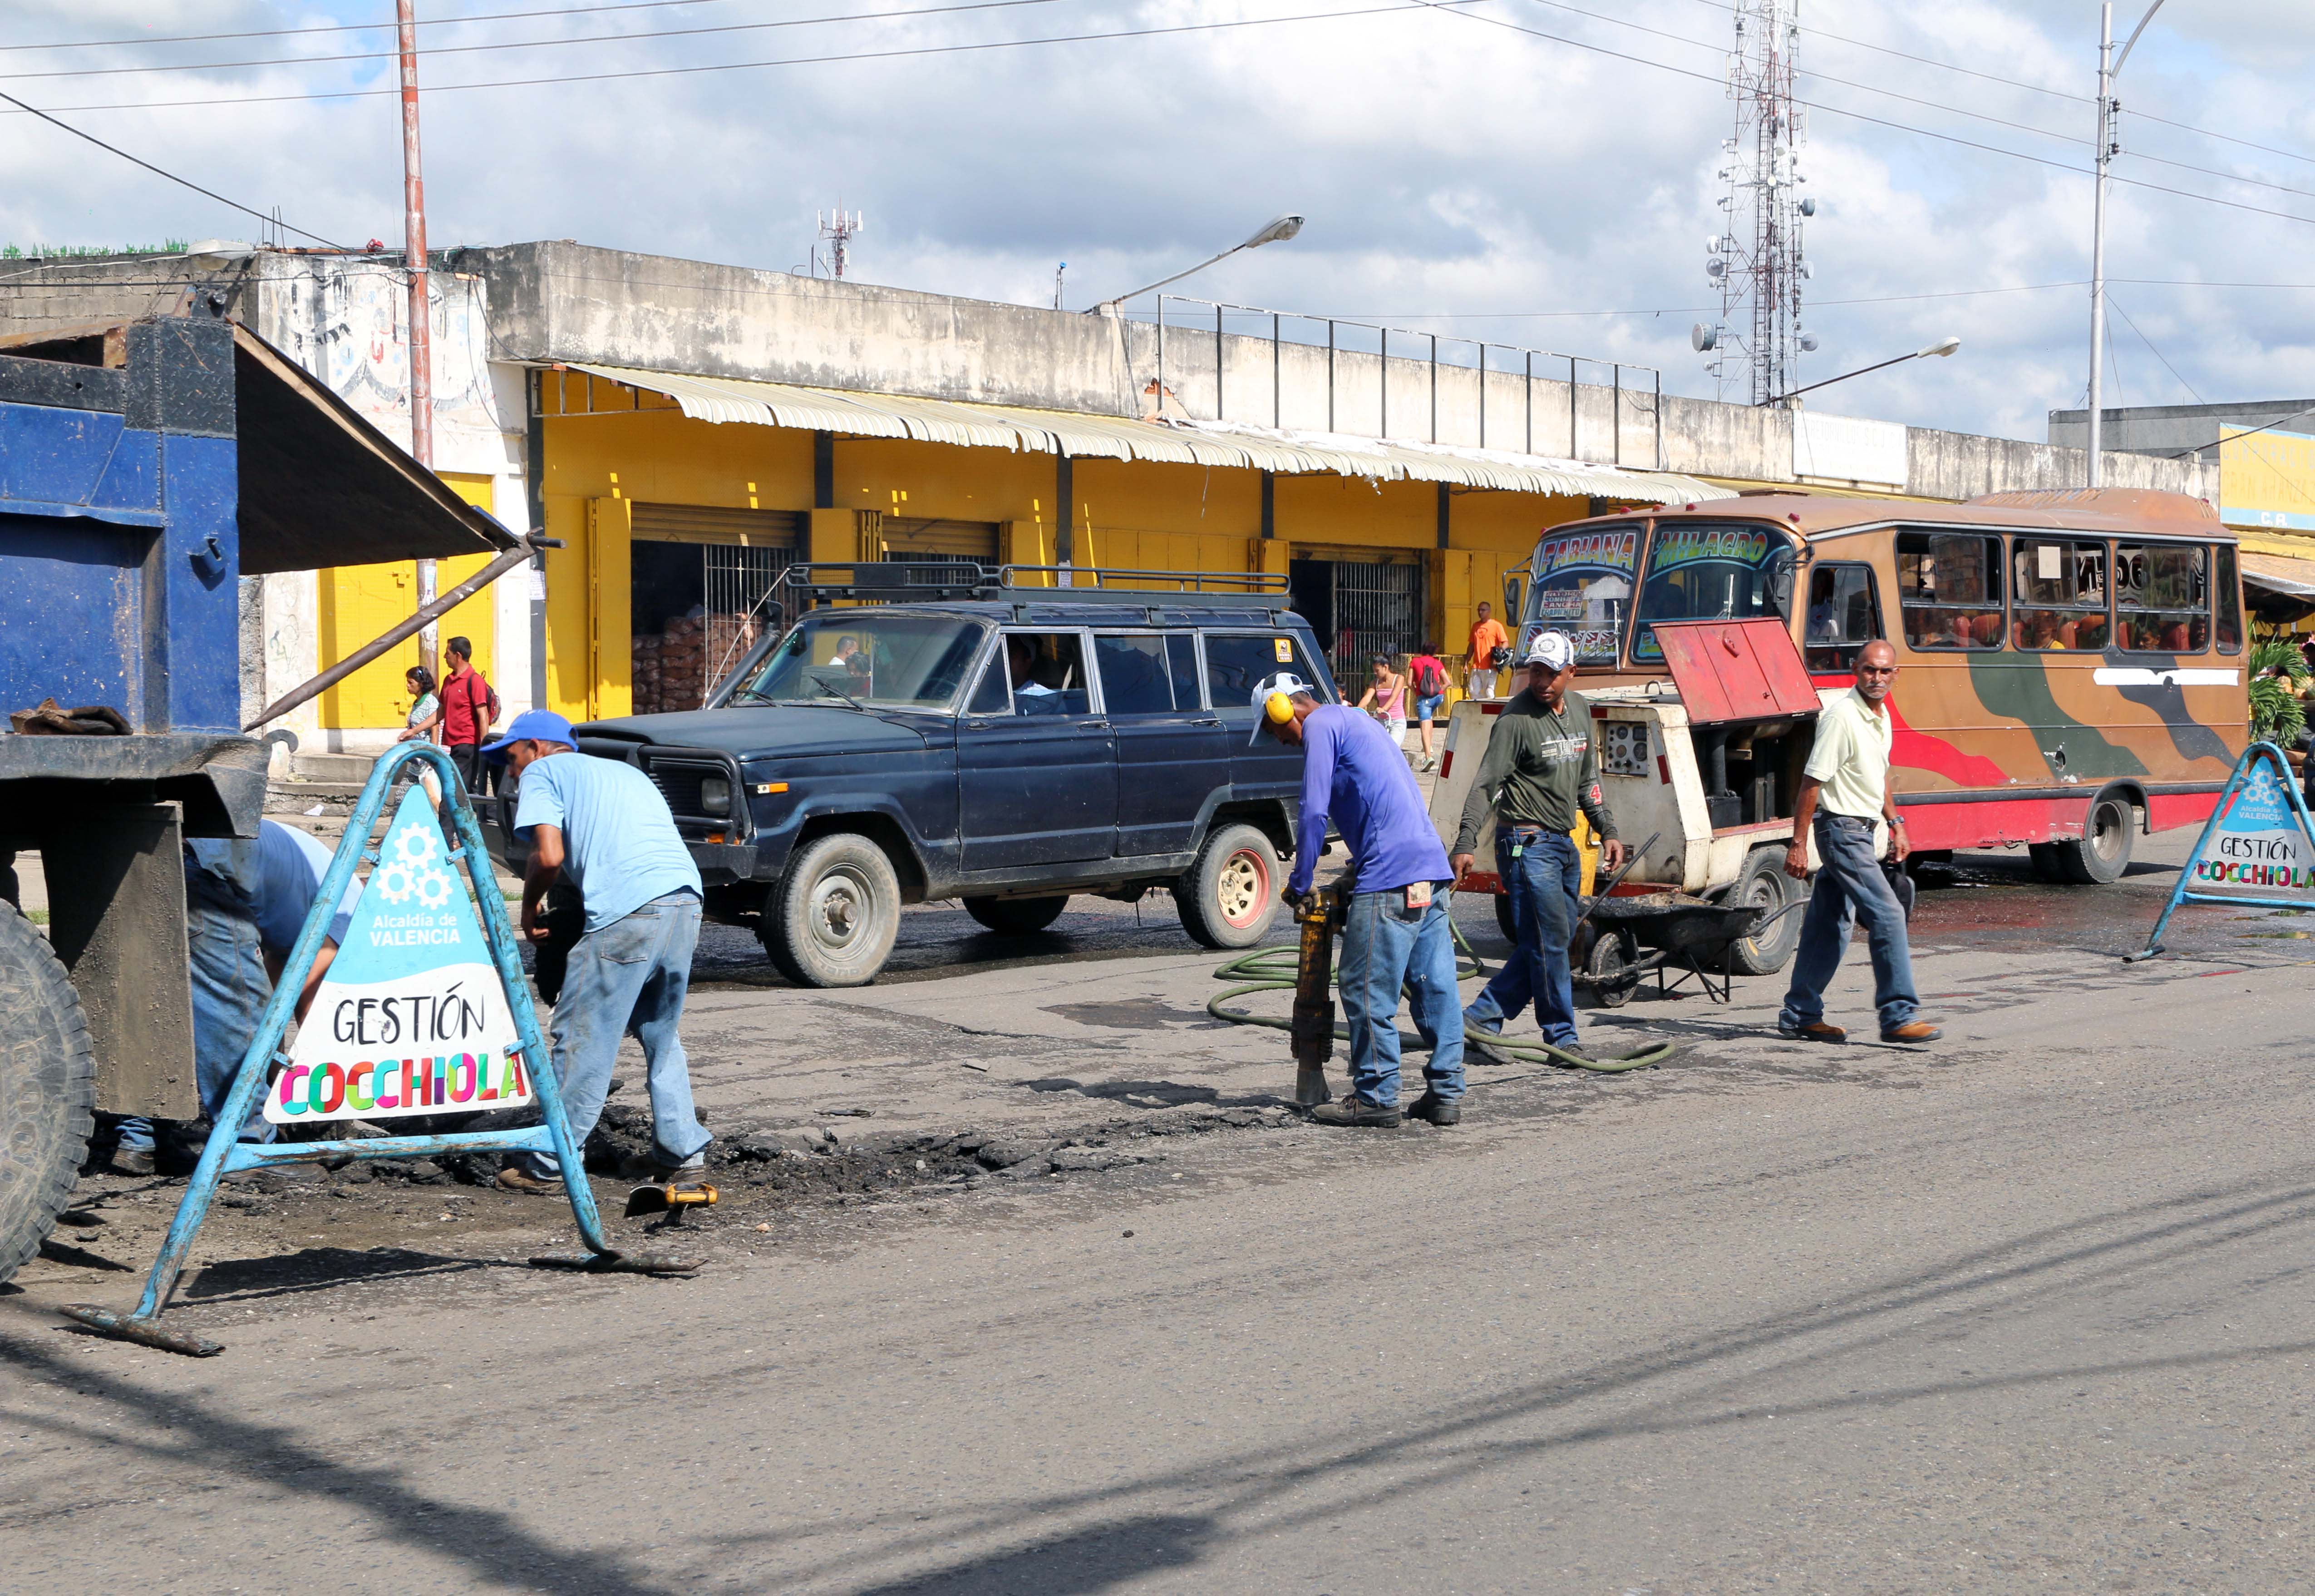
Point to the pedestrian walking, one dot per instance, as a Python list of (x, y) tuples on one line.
[(1844, 788), (425, 718), (1541, 770), (245, 904), (1396, 935), (1480, 665), (602, 825), (1428, 672), (470, 708), (1385, 700)]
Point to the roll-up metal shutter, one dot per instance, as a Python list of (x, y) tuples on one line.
[(959, 540), (712, 523)]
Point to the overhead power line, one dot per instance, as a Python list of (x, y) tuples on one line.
[(383, 27), (433, 51), (158, 172)]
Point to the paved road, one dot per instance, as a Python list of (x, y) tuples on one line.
[(2029, 1310)]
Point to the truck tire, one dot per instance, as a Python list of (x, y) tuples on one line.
[(48, 1089), (2103, 852), (1763, 883), (1016, 916), (832, 920), (1230, 895)]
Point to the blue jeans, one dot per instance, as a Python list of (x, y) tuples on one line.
[(230, 992), (1848, 888), (630, 975), (1386, 947), (1545, 882)]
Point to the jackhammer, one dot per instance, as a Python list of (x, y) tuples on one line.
[(1321, 918)]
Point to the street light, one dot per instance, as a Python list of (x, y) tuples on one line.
[(1943, 346), (2109, 68), (1282, 227)]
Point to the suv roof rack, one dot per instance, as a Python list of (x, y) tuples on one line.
[(902, 581)]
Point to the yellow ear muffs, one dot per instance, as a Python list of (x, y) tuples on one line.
[(1278, 707)]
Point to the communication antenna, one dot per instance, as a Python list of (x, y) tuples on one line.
[(837, 230), (1755, 260)]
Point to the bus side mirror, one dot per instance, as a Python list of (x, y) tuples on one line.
[(1512, 611)]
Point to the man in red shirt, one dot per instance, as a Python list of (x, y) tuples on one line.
[(470, 708)]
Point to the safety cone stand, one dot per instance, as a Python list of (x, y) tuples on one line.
[(2257, 850), (409, 952)]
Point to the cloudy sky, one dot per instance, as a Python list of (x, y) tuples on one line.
[(1460, 172)]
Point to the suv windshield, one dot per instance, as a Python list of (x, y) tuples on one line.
[(1728, 571), (869, 657)]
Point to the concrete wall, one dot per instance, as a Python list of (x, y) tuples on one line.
[(2168, 427)]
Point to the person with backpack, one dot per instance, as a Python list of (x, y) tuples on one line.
[(470, 708), (1428, 672)]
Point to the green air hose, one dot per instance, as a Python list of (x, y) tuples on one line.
[(1275, 968)]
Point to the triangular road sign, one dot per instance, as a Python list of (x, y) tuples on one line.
[(2257, 849)]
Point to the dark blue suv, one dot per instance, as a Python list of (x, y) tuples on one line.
[(1008, 745)]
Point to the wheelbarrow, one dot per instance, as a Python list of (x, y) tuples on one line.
[(1633, 937)]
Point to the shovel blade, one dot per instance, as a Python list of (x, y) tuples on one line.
[(149, 1333)]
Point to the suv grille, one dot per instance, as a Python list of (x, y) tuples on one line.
[(679, 785)]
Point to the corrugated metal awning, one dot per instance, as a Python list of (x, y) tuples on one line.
[(1118, 438), (2296, 577)]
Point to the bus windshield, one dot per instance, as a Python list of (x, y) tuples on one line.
[(1712, 570), (877, 657), (1582, 585)]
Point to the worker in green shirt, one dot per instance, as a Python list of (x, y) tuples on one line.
[(1541, 768)]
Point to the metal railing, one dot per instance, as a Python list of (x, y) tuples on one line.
[(1524, 370)]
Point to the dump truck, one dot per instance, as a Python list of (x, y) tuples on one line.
[(147, 467)]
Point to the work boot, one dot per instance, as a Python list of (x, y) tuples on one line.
[(1433, 1109), (1912, 1031), (1354, 1109), (1479, 1027), (132, 1161), (514, 1177), (1814, 1031)]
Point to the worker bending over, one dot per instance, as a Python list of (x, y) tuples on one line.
[(1394, 933), (1540, 768), (602, 823), (245, 903)]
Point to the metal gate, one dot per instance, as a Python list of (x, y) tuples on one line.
[(1360, 608), (739, 583)]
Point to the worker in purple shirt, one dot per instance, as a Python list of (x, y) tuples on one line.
[(1396, 934)]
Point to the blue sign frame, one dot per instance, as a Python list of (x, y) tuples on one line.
[(226, 1154), (2180, 894)]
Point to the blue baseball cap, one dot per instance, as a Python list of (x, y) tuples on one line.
[(532, 725)]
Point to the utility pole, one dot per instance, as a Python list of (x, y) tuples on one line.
[(421, 318), (2109, 147)]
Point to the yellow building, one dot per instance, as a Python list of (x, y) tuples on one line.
[(678, 497)]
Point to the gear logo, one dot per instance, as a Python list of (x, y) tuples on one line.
[(411, 870), (434, 890), (395, 882), (416, 846)]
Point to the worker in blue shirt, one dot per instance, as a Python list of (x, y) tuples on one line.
[(246, 903), (603, 825), (1394, 933)]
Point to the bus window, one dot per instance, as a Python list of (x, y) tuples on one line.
[(2230, 632), (1583, 585), (2057, 592), (1950, 590), (1704, 571), (2162, 598), (1844, 615)]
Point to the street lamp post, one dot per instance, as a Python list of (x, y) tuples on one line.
[(1283, 228), (2109, 68), (1943, 346)]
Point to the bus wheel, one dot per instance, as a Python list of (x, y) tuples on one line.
[(2103, 853), (1763, 884)]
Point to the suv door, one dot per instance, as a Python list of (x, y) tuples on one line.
[(1235, 660), (1170, 752), (1036, 767)]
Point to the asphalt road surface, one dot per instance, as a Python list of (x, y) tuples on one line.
[(2029, 1309)]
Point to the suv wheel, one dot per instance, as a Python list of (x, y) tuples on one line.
[(1229, 897), (830, 922), (1016, 916)]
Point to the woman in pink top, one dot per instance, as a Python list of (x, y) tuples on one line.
[(1385, 699)]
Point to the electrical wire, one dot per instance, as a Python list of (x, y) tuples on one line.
[(501, 16), (158, 172), (433, 51), (2157, 353)]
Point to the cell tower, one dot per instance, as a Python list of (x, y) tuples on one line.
[(837, 230), (1755, 260)]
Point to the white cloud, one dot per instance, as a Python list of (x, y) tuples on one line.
[(1451, 168)]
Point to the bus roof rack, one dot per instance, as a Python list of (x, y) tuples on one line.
[(923, 581)]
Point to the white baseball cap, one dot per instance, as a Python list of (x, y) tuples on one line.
[(1554, 651), (1270, 687)]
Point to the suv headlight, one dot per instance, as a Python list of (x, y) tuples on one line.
[(715, 796)]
